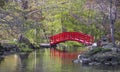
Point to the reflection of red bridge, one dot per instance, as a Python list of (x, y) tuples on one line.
[(71, 36), (64, 55)]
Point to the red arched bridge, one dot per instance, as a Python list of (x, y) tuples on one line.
[(71, 36)]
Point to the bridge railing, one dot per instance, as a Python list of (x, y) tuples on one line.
[(73, 36)]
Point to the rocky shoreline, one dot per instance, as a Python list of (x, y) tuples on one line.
[(22, 44), (106, 55), (7, 49)]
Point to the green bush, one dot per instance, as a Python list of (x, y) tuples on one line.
[(94, 51), (106, 50)]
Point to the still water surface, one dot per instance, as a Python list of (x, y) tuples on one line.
[(48, 60)]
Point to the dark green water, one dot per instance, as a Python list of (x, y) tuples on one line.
[(47, 60)]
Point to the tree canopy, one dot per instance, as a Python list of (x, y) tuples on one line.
[(40, 19)]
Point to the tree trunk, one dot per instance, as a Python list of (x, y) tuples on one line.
[(112, 21)]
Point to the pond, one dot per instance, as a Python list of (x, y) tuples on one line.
[(48, 60)]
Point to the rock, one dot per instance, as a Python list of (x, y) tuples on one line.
[(107, 63), (85, 60), (109, 45), (114, 63), (82, 59), (94, 63), (76, 61)]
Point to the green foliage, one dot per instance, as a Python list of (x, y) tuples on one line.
[(12, 42), (24, 48), (94, 51), (97, 50), (71, 24), (106, 50), (30, 34), (72, 44), (2, 3)]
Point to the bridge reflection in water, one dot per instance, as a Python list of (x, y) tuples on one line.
[(64, 54)]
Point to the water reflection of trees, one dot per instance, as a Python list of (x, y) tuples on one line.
[(23, 61), (9, 64), (31, 62), (1, 59)]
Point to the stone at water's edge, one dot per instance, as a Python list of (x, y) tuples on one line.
[(76, 61)]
